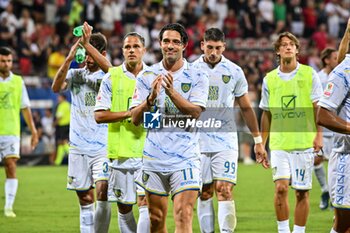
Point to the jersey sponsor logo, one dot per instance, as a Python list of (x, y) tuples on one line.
[(288, 102), (151, 120), (226, 78), (213, 93), (329, 89), (185, 87)]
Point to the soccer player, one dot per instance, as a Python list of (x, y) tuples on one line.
[(333, 114), (125, 140), (87, 162), (220, 149), (13, 100), (171, 155), (289, 101), (329, 62)]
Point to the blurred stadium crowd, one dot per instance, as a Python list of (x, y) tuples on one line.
[(40, 32)]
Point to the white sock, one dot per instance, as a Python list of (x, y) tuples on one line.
[(87, 218), (333, 231), (206, 215), (127, 223), (144, 224), (283, 226), (298, 229), (102, 216), (227, 216), (10, 192)]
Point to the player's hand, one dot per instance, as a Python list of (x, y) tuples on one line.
[(156, 85), (87, 31), (265, 163), (260, 152), (34, 140), (168, 84), (73, 50), (318, 143), (347, 30)]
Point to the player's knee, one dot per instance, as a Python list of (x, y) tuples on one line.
[(142, 201), (101, 191), (157, 219), (85, 198), (301, 195), (124, 209), (206, 195), (224, 192), (281, 189), (184, 214)]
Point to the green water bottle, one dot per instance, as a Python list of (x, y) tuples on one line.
[(80, 55), (78, 31)]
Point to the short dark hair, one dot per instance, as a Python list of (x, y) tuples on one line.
[(175, 27), (5, 51), (135, 34), (99, 41), (325, 54), (214, 34)]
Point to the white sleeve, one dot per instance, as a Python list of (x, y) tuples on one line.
[(25, 102), (142, 90), (104, 96), (316, 87), (199, 94), (264, 102), (241, 87)]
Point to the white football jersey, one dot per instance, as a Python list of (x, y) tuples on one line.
[(226, 81), (172, 149), (85, 135)]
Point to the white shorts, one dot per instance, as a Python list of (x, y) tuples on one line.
[(9, 148), (296, 166), (327, 146), (122, 186), (339, 180), (85, 171), (219, 166), (163, 183)]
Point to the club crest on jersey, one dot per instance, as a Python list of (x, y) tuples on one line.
[(145, 177), (226, 78), (328, 90), (185, 87), (118, 192)]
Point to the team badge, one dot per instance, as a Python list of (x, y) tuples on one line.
[(118, 192), (329, 89), (70, 179), (226, 78), (145, 177), (185, 87)]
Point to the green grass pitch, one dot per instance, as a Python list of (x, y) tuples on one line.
[(44, 205)]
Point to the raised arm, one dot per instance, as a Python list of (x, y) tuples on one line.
[(60, 77), (344, 43), (101, 60), (137, 112)]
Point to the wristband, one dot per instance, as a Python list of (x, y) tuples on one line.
[(258, 139), (148, 102)]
